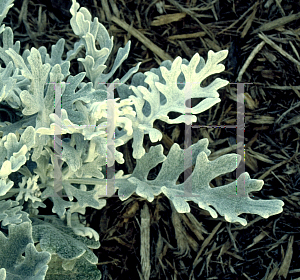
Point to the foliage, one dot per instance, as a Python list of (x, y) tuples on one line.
[(26, 86)]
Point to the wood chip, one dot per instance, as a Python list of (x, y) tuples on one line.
[(277, 23), (165, 19), (262, 120), (249, 20), (277, 48), (284, 268), (143, 39), (249, 59), (206, 242), (187, 36), (258, 238), (294, 121), (261, 157), (275, 166)]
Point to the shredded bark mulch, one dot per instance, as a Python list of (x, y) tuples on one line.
[(263, 42)]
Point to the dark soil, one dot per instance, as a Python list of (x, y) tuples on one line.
[(265, 248)]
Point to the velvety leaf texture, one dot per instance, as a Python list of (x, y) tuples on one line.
[(19, 240), (196, 188), (36, 163)]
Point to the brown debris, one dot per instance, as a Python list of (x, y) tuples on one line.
[(263, 39), (277, 23), (142, 38), (277, 48), (284, 269), (165, 19)]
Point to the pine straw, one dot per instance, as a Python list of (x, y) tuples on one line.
[(263, 42)]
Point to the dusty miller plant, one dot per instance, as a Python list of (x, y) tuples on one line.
[(26, 148)]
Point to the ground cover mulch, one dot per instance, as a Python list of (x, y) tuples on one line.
[(263, 42)]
